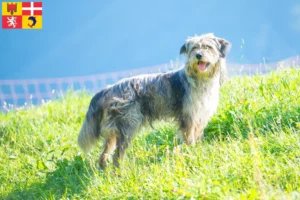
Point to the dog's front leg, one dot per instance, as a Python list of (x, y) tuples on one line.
[(186, 132), (198, 132), (191, 132)]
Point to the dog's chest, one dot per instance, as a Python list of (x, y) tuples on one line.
[(202, 102)]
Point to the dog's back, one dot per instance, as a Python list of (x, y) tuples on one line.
[(135, 100)]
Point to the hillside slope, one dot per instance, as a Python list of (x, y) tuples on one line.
[(251, 150)]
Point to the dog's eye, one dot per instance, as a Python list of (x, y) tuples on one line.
[(193, 48), (207, 47)]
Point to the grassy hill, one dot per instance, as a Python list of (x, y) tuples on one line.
[(251, 150)]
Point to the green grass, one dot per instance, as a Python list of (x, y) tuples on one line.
[(251, 150)]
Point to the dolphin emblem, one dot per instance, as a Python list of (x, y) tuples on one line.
[(33, 19)]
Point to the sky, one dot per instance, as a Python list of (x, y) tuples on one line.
[(92, 36)]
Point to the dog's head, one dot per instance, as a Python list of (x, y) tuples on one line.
[(206, 54)]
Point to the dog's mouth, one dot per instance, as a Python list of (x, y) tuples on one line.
[(202, 65)]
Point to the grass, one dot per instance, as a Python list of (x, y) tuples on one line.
[(251, 150)]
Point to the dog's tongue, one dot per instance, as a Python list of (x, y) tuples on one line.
[(201, 66)]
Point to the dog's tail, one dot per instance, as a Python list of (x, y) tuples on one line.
[(90, 130)]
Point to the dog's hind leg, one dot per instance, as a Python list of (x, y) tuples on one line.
[(109, 146), (122, 145), (126, 135), (128, 121)]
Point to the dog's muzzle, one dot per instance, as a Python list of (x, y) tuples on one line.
[(201, 64)]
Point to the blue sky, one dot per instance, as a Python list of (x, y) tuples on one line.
[(92, 36)]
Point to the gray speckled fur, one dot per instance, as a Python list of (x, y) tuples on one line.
[(187, 95)]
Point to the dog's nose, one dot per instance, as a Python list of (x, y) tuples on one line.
[(198, 56)]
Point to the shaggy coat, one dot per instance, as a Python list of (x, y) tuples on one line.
[(189, 95)]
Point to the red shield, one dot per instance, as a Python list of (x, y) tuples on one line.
[(11, 8)]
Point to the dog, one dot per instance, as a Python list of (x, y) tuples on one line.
[(189, 95)]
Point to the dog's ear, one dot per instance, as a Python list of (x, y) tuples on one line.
[(183, 49), (225, 47)]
